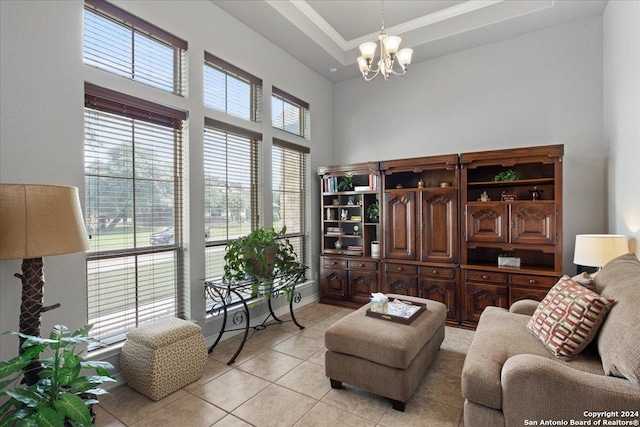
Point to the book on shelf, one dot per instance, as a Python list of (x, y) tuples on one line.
[(354, 248), (356, 217)]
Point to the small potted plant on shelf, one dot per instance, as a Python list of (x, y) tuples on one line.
[(373, 211), (60, 396), (347, 183), (259, 255), (508, 175)]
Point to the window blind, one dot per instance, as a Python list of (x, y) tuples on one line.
[(133, 212), (232, 90), (232, 188), (123, 44), (290, 114), (290, 168)]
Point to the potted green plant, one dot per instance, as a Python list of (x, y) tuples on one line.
[(258, 255), (61, 396), (508, 175), (346, 184), (373, 211)]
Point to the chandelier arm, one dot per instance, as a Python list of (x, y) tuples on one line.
[(368, 79)]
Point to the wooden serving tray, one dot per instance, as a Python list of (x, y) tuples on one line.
[(398, 319)]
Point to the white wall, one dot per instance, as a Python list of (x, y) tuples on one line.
[(41, 132), (621, 30), (541, 88)]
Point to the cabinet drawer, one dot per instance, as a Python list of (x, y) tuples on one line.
[(517, 294), (445, 273), (400, 268), (363, 265), (334, 263), (540, 281), (486, 276)]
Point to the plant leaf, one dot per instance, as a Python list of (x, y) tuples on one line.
[(12, 366), (73, 407), (47, 417), (66, 374), (96, 364), (58, 332), (26, 396), (31, 341), (83, 332)]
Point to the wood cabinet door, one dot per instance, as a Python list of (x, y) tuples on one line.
[(533, 223), (400, 284), (361, 285), (334, 284), (443, 291), (399, 225), (438, 226), (479, 296), (486, 222)]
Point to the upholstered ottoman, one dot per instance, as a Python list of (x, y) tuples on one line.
[(385, 358), (162, 357)]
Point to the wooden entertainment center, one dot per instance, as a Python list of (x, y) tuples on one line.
[(443, 222)]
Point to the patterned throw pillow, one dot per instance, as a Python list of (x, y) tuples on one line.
[(568, 318)]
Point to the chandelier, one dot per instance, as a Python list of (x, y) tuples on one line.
[(389, 56)]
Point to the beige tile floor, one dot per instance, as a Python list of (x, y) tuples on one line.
[(278, 380)]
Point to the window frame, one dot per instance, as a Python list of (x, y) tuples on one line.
[(304, 113), (230, 70), (125, 106), (137, 25)]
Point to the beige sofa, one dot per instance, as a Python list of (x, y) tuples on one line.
[(509, 377)]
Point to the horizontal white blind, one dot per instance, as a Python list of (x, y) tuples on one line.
[(133, 210), (232, 190), (290, 114), (113, 42), (232, 90), (290, 166)]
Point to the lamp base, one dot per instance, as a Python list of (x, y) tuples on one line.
[(32, 308)]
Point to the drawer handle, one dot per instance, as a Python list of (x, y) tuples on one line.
[(434, 272), (360, 265), (399, 268), (334, 263), (484, 276), (532, 281)]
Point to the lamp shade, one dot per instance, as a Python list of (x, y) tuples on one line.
[(40, 220), (595, 250)]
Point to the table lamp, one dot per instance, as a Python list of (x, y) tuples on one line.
[(595, 250), (38, 221)]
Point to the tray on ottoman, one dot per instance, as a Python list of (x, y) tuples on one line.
[(399, 319)]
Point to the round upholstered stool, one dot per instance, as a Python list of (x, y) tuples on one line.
[(162, 357)]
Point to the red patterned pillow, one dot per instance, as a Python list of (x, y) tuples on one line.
[(568, 318)]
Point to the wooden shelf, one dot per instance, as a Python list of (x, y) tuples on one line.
[(518, 183)]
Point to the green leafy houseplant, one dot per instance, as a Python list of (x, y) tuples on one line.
[(258, 255), (373, 211), (346, 184), (508, 175), (60, 397)]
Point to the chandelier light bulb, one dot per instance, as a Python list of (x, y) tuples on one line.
[(364, 67), (368, 50), (404, 57), (391, 44)]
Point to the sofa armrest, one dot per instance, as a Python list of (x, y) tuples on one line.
[(536, 388), (524, 306)]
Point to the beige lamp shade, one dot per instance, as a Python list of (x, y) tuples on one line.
[(595, 250), (40, 220)]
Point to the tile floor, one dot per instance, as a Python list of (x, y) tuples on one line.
[(278, 380)]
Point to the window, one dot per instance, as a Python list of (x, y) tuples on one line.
[(290, 114), (133, 209), (290, 164), (232, 190), (123, 44), (228, 88)]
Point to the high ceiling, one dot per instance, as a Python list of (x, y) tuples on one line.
[(325, 34)]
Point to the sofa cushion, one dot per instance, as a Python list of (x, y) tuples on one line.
[(499, 336), (619, 337), (585, 280), (568, 317)]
